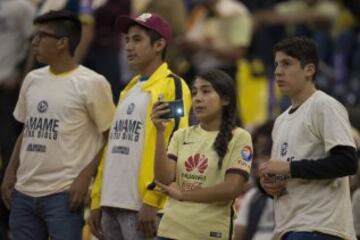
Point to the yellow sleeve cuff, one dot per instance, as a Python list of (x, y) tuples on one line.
[(154, 199)]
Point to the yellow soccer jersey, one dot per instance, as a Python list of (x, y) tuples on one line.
[(197, 166)]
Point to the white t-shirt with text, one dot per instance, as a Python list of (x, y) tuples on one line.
[(124, 153), (64, 117)]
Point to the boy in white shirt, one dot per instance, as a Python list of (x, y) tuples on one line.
[(312, 147), (66, 109)]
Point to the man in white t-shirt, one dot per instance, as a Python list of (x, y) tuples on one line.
[(66, 109), (313, 149)]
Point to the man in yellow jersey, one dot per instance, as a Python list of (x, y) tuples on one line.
[(66, 109), (127, 200)]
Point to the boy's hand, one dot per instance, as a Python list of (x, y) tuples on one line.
[(147, 221), (79, 191), (95, 223), (275, 167), (272, 186), (7, 187)]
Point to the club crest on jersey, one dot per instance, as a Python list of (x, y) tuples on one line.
[(247, 153), (42, 106), (284, 149), (130, 109)]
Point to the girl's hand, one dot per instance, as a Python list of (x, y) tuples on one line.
[(159, 109), (172, 190)]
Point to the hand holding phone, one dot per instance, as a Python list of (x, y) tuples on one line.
[(176, 109), (163, 111)]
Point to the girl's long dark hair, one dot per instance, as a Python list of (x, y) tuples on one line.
[(224, 85)]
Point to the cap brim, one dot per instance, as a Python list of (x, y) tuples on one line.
[(124, 22)]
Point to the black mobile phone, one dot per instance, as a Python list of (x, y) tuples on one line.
[(176, 109)]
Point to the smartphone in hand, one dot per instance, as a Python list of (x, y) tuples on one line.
[(176, 109)]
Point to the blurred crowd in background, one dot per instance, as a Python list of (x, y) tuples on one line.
[(236, 36)]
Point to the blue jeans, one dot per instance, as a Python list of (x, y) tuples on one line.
[(309, 236), (38, 218)]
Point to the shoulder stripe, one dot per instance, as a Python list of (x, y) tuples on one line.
[(238, 171)]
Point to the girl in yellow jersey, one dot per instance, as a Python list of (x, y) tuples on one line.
[(205, 166)]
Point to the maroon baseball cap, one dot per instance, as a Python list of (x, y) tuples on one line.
[(148, 20)]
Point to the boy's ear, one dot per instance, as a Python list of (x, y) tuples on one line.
[(63, 43), (310, 69), (160, 45)]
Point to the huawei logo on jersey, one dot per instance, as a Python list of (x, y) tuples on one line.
[(196, 161)]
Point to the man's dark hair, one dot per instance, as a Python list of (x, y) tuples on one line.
[(301, 48), (65, 24), (154, 36)]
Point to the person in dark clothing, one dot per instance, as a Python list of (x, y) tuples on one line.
[(255, 220)]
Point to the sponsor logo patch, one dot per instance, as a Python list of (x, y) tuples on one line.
[(247, 153), (196, 161)]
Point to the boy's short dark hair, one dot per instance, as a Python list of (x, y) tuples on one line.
[(65, 24), (301, 48)]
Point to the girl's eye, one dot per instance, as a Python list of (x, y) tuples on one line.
[(286, 64)]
